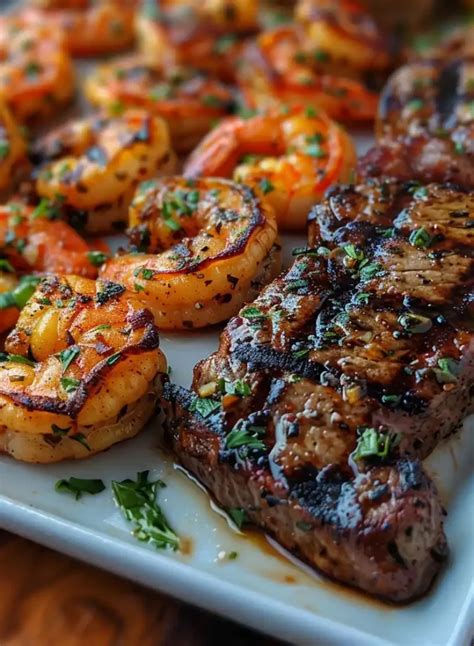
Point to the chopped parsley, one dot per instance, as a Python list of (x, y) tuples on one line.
[(266, 186), (79, 437), (420, 238), (16, 358), (373, 443), (4, 149), (19, 296), (252, 313), (6, 266), (369, 271), (70, 384), (143, 272), (78, 486), (57, 430), (136, 499), (97, 258), (204, 406), (247, 435), (67, 356), (447, 370), (238, 516)]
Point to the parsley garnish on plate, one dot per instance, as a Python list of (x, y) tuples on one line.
[(78, 486), (136, 499)]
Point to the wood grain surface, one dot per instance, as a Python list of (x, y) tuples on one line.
[(48, 599)]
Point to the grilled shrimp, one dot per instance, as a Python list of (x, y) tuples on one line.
[(90, 28), (342, 32), (33, 239), (95, 164), (81, 371), (36, 72), (208, 246), (8, 309), (13, 159), (187, 100), (203, 34), (276, 69), (289, 159)]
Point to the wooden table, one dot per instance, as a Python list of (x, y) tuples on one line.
[(47, 599)]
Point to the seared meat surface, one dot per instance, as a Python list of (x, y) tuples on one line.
[(425, 124), (346, 370)]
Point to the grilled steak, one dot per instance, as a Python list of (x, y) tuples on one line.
[(426, 124), (346, 370)]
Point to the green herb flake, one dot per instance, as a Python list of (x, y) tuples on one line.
[(4, 149), (78, 486), (67, 356), (247, 435), (415, 104), (266, 186), (136, 499), (144, 272), (232, 556), (97, 258), (57, 430), (238, 516), (6, 266), (373, 443), (70, 384), (420, 238), (252, 313), (447, 370), (369, 271), (204, 406), (79, 437), (18, 358), (113, 358)]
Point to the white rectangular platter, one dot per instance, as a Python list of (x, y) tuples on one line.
[(260, 588)]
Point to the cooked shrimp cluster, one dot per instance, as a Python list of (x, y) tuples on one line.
[(250, 101), (203, 34), (289, 157), (91, 28), (36, 73), (96, 163), (188, 100), (81, 371), (201, 249), (329, 58), (13, 159)]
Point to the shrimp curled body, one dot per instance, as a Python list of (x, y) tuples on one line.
[(209, 245), (36, 72), (290, 159), (277, 69), (90, 28), (95, 164), (95, 372), (189, 101), (205, 34)]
